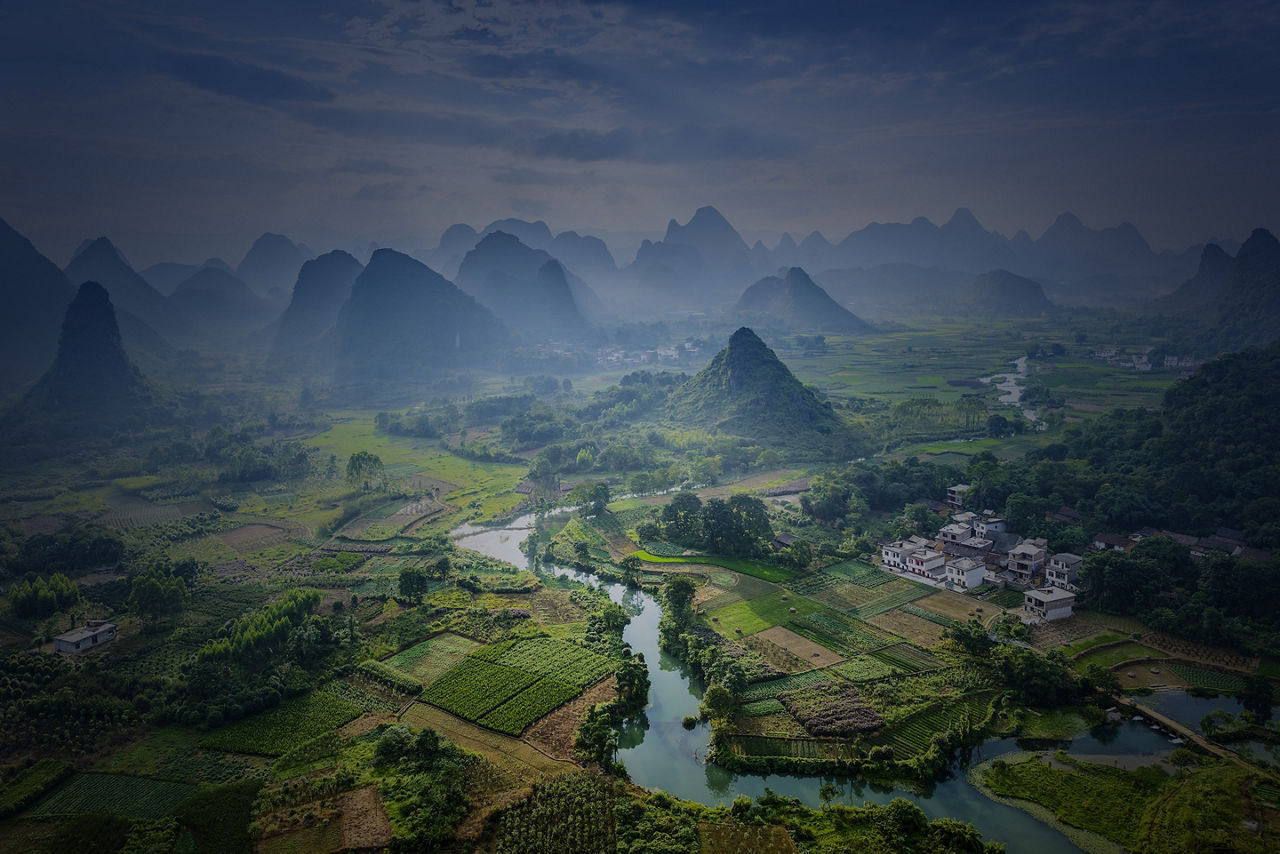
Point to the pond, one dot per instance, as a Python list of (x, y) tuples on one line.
[(659, 753)]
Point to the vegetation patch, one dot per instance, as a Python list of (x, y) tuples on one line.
[(1108, 801), (830, 709), (1007, 598), (132, 797), (277, 731), (809, 653), (1211, 680), (427, 660), (32, 783), (865, 668), (574, 812), (842, 633), (473, 688), (541, 698), (747, 566), (775, 687), (757, 614), (906, 658), (1110, 656), (861, 573)]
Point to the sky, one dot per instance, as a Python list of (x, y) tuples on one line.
[(184, 129)]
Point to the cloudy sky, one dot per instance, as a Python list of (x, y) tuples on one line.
[(183, 129)]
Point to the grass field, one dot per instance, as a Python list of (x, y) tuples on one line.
[(1113, 655), (757, 614), (755, 568), (430, 658)]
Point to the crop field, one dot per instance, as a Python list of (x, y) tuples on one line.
[(253, 538), (1090, 642), (567, 662), (1112, 655), (925, 614), (726, 836), (906, 658), (754, 615), (573, 813), (1213, 680), (473, 688), (795, 748), (841, 633), (510, 754), (846, 596), (389, 678), (865, 668), (427, 660), (774, 687), (860, 573), (810, 653), (808, 585), (1007, 598), (892, 600), (277, 731), (914, 629), (772, 654), (957, 606), (539, 699), (132, 797), (759, 708), (174, 753), (914, 735)]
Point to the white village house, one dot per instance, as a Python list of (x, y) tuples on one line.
[(1048, 603), (965, 573), (1064, 570), (91, 634)]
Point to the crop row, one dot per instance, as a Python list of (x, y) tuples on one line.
[(926, 614), (810, 584), (357, 696), (864, 668), (774, 687), (906, 658), (131, 797), (567, 662), (1007, 598), (23, 790), (916, 733), (893, 600), (539, 699), (1199, 677), (390, 677), (473, 688), (277, 731), (797, 748), (845, 633), (861, 574), (759, 708)]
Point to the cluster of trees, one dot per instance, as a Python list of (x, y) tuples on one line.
[(1218, 600), (36, 598), (78, 547), (157, 593), (738, 527), (242, 640), (366, 471), (240, 457)]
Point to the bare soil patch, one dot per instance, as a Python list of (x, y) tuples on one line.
[(363, 724), (813, 654), (253, 538), (728, 836), (521, 760), (99, 577), (918, 631), (553, 734), (364, 821), (953, 605)]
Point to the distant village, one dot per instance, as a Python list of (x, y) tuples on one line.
[(977, 549)]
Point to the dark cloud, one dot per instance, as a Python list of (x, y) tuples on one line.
[(686, 144), (366, 166), (387, 192), (224, 76)]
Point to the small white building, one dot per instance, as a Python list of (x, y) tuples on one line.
[(956, 494), (1064, 570), (955, 533), (983, 526), (1048, 603), (893, 555), (1026, 560), (927, 563), (965, 573), (91, 634)]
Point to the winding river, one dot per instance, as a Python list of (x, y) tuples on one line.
[(659, 753)]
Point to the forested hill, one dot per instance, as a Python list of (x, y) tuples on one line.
[(1209, 458)]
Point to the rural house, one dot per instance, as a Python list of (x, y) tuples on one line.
[(1048, 603), (91, 634), (1064, 570)]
